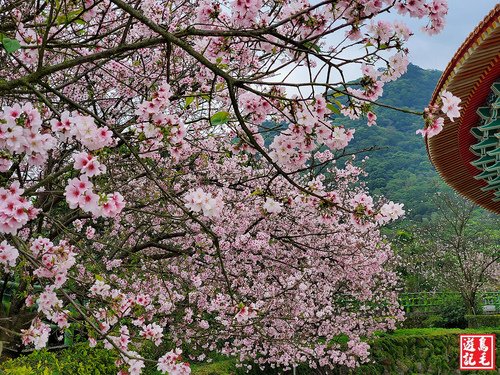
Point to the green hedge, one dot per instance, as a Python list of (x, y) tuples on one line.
[(79, 359), (417, 351), (403, 352), (423, 320), (478, 321), (449, 314)]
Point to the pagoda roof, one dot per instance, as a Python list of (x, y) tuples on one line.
[(460, 151)]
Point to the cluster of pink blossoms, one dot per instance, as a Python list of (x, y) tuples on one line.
[(292, 147), (28, 38), (88, 164), (172, 364), (8, 255), (79, 193), (135, 364), (364, 208), (121, 341), (51, 306), (245, 12), (15, 210), (152, 332), (37, 334), (382, 32), (255, 107), (21, 132), (389, 211), (435, 127), (207, 11), (245, 313), (158, 124), (199, 201), (150, 109), (55, 260), (450, 106), (124, 306), (373, 81), (436, 10), (83, 129)]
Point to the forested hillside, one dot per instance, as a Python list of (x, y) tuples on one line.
[(401, 170)]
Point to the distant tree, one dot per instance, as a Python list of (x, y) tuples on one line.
[(458, 249)]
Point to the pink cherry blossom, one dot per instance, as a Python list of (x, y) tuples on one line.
[(271, 206), (432, 130), (450, 105), (199, 201), (196, 191), (37, 334), (390, 211), (88, 164), (372, 118), (171, 363), (8, 255), (15, 210), (5, 164), (245, 313), (153, 332)]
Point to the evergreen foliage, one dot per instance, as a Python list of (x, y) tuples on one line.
[(401, 169), (478, 321), (78, 359)]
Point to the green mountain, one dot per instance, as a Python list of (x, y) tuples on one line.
[(400, 170)]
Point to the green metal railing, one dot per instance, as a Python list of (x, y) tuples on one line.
[(428, 302), (492, 298)]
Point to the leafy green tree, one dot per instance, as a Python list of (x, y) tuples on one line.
[(457, 249)]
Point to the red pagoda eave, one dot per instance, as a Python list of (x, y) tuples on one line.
[(469, 75)]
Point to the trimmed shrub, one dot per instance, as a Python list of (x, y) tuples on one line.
[(426, 320), (403, 352), (79, 359), (453, 312), (414, 320), (416, 351), (434, 321), (449, 314), (479, 321)]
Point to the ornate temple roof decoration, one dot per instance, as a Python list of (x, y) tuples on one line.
[(467, 152), (487, 147)]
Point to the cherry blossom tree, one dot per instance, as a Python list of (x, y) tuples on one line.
[(164, 178), (457, 250)]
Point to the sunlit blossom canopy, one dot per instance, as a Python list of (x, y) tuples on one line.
[(467, 152)]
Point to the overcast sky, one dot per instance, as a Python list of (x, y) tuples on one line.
[(434, 52), (428, 52)]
